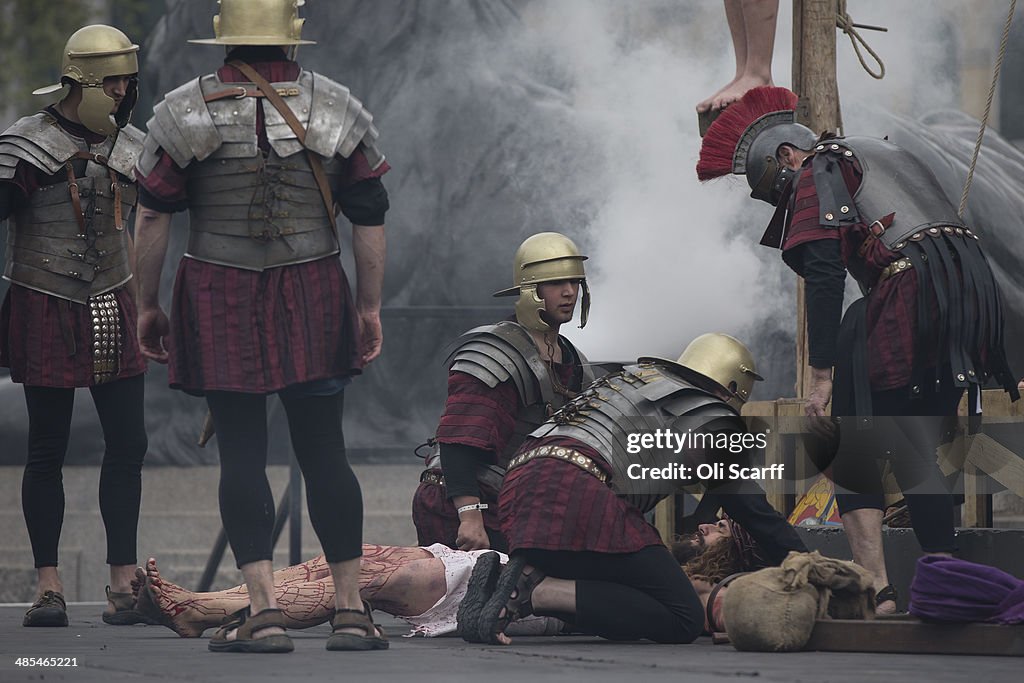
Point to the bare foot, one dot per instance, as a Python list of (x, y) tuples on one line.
[(708, 104), (262, 633), (736, 90), (170, 605), (887, 607)]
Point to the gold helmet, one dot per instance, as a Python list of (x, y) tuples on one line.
[(257, 22), (545, 257), (93, 53), (722, 359)]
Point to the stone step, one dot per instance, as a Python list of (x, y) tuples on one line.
[(192, 488), (186, 530), (179, 521)]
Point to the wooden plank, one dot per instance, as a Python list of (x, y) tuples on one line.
[(791, 423), (665, 519), (814, 80), (999, 462), (977, 510), (758, 409), (802, 375), (911, 636), (890, 487), (774, 453), (996, 403)]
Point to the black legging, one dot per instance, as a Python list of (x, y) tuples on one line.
[(627, 596), (120, 408), (914, 465), (333, 496)]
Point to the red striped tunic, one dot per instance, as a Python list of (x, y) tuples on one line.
[(550, 504), (437, 520), (258, 332), (891, 315), (474, 415), (239, 330), (47, 341)]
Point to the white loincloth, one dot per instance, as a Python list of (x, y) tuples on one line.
[(440, 619)]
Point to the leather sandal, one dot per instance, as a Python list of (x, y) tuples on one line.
[(478, 591), (372, 639), (513, 594), (885, 595), (245, 626), (49, 610), (123, 612)]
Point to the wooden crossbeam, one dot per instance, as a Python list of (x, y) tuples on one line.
[(911, 636), (997, 461)]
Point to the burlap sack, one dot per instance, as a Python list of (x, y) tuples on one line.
[(774, 610)]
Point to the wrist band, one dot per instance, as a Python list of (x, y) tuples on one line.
[(474, 506)]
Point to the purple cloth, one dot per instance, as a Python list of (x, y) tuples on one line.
[(947, 589)]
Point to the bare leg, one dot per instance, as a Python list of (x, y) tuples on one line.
[(551, 596), (752, 27), (48, 579), (738, 32), (310, 570), (554, 595), (186, 613), (864, 532), (259, 580), (399, 581), (121, 577)]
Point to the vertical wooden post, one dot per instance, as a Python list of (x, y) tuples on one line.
[(665, 519), (977, 506), (814, 81)]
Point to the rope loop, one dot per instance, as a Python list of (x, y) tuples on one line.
[(846, 24)]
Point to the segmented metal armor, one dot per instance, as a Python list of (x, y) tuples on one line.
[(643, 398)]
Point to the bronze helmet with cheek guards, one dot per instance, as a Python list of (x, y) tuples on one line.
[(545, 257), (92, 54), (257, 22), (724, 360)]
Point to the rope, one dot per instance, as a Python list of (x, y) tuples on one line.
[(988, 107), (844, 22)]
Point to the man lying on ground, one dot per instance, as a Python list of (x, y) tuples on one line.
[(422, 586)]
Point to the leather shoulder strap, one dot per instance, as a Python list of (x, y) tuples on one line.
[(300, 133)]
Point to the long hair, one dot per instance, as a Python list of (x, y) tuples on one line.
[(715, 563)]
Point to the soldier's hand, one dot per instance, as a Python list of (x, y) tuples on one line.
[(153, 329), (472, 534), (371, 336)]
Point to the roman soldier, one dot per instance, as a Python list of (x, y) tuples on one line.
[(68, 319), (505, 380), (572, 504), (929, 326), (262, 153)]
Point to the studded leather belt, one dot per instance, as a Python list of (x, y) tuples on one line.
[(432, 477), (895, 268), (560, 452), (107, 336)]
